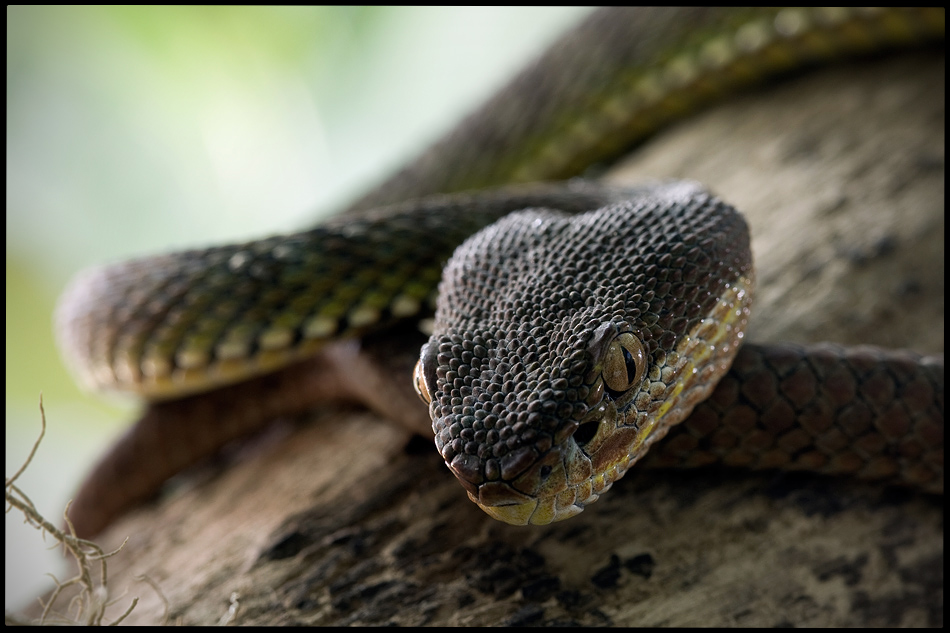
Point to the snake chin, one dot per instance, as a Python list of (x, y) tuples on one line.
[(533, 512)]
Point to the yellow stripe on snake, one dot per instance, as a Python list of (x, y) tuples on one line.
[(576, 324)]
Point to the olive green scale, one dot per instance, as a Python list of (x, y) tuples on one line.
[(171, 325)]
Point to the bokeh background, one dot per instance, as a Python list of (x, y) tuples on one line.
[(132, 130)]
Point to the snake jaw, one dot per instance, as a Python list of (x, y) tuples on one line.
[(544, 493)]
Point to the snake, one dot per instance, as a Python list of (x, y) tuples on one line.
[(565, 326)]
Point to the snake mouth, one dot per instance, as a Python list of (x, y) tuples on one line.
[(532, 512), (557, 487), (502, 501), (572, 476)]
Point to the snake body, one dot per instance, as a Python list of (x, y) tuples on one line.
[(577, 324)]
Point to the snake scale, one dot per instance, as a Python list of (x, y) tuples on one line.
[(575, 326)]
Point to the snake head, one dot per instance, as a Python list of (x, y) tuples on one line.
[(564, 346)]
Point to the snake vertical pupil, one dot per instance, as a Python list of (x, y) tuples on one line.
[(625, 364), (630, 363), (586, 432)]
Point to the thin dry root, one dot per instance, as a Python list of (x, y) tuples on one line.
[(89, 604)]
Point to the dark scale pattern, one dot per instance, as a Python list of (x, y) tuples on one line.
[(872, 413), (510, 362)]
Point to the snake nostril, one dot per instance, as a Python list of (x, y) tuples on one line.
[(586, 432), (545, 472)]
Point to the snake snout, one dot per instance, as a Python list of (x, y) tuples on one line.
[(542, 494), (538, 488)]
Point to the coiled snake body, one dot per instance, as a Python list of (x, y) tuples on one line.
[(576, 325)]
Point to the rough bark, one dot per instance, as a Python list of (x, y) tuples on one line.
[(344, 520)]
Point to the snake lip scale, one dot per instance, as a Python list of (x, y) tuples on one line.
[(575, 324)]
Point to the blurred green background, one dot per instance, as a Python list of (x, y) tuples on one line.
[(132, 130)]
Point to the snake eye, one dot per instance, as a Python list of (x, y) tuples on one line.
[(419, 382), (625, 364)]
